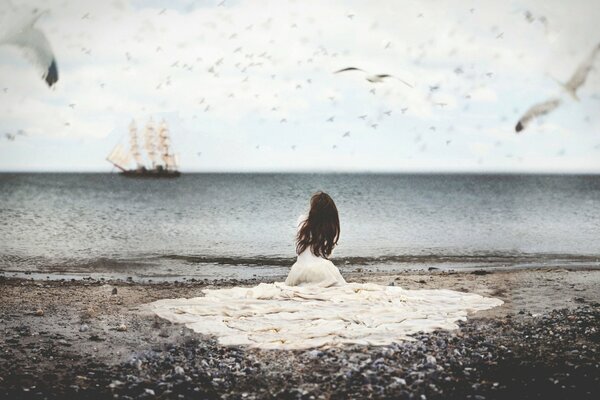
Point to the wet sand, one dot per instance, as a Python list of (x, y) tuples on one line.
[(94, 339)]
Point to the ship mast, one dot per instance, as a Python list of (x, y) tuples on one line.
[(134, 147), (149, 142), (164, 142)]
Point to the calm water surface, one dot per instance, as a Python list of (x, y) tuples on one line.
[(236, 225)]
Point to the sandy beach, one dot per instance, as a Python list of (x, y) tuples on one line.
[(95, 339)]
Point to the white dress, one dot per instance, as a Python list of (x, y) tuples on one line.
[(312, 270)]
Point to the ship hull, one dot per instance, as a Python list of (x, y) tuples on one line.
[(150, 173)]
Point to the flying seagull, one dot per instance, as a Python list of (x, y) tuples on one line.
[(537, 111), (18, 30), (577, 80), (373, 78)]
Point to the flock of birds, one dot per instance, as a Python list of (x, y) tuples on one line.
[(19, 30)]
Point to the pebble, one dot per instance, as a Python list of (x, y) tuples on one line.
[(431, 359), (122, 328), (84, 328), (39, 312), (114, 291)]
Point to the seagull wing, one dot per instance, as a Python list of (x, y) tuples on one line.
[(37, 49), (348, 69), (382, 76), (582, 72), (537, 111), (403, 81)]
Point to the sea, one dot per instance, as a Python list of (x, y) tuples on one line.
[(239, 226)]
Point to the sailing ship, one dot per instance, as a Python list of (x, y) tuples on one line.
[(159, 160)]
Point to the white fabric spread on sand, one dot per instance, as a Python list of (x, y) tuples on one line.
[(316, 307), (277, 316)]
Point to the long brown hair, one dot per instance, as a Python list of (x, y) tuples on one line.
[(320, 231)]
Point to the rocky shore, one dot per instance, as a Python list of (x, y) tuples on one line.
[(93, 339)]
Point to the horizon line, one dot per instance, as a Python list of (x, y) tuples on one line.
[(324, 172)]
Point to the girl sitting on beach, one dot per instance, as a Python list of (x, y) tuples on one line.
[(318, 234), (315, 306)]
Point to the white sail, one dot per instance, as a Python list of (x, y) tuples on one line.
[(149, 141), (119, 157), (134, 147), (163, 145)]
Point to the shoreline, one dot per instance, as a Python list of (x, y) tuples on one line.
[(92, 343), (271, 273)]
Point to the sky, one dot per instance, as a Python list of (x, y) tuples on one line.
[(250, 85)]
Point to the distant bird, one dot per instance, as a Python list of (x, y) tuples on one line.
[(10, 136), (404, 110), (577, 80), (164, 10), (283, 120), (388, 112), (350, 16), (346, 134), (86, 16), (330, 119), (17, 29), (362, 116), (500, 35), (373, 78), (72, 105)]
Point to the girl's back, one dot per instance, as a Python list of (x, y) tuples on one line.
[(310, 269), (318, 234)]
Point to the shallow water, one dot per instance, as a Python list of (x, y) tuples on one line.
[(236, 225)]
